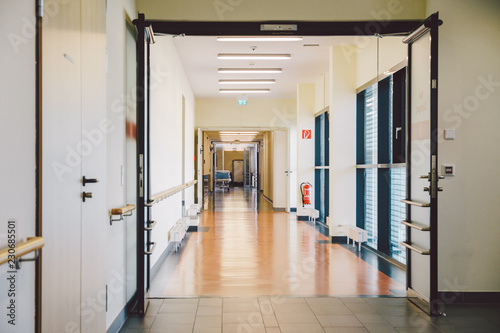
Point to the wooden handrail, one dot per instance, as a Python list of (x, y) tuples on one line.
[(168, 193), (32, 244), (122, 210)]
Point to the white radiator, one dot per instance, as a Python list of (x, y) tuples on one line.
[(356, 234), (179, 232)]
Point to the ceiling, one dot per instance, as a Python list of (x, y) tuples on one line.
[(243, 136), (307, 63)]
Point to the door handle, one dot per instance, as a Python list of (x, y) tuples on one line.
[(86, 195), (89, 180)]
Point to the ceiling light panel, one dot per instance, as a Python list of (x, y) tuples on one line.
[(260, 39), (245, 81), (250, 70), (244, 91), (252, 56)]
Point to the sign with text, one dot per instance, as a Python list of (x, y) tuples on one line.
[(306, 134)]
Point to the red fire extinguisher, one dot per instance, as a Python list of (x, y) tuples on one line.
[(305, 190)]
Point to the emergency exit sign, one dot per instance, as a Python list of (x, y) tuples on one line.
[(242, 102), (306, 134)]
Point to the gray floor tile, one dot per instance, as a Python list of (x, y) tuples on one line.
[(266, 307), (324, 301), (330, 309), (273, 330), (287, 300), (208, 321), (207, 330), (345, 330), (346, 300), (239, 328), (339, 321), (429, 329), (232, 300), (152, 310), (173, 329), (361, 308), (411, 320), (165, 319), (370, 318), (135, 322), (301, 328), (291, 307), (296, 318), (210, 301), (155, 302), (135, 330), (241, 307), (178, 308), (471, 321), (209, 310), (385, 300), (270, 321), (181, 301), (242, 318), (380, 328)]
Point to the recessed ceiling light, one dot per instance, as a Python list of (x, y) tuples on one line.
[(250, 70), (260, 39), (225, 132), (244, 91), (244, 81), (247, 56)]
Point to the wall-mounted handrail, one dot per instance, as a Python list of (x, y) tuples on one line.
[(122, 211), (415, 203), (32, 244), (416, 226), (168, 193), (416, 249)]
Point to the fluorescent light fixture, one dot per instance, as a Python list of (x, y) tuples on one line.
[(250, 70), (244, 91), (238, 133), (245, 81), (253, 56), (260, 39)]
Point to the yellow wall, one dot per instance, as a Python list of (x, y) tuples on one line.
[(229, 156)]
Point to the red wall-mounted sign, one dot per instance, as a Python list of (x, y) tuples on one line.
[(306, 134)]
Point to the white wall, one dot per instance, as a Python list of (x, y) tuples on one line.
[(17, 148), (342, 138), (321, 10), (166, 133), (305, 147), (469, 226), (117, 98)]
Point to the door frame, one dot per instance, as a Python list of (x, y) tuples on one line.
[(205, 28)]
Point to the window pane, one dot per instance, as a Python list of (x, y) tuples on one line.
[(398, 213), (371, 125), (371, 206)]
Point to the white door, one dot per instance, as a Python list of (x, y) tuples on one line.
[(422, 161), (199, 157), (74, 145), (17, 148), (281, 173)]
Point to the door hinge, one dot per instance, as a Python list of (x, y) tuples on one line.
[(39, 8), (434, 84), (141, 175)]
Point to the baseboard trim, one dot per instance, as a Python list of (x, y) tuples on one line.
[(279, 209), (339, 239), (302, 218), (122, 317), (159, 262), (193, 228), (293, 209), (468, 297)]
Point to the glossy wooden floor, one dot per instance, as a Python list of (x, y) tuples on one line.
[(243, 248)]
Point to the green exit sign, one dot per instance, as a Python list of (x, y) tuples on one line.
[(242, 102)]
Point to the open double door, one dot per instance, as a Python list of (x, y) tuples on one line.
[(422, 144)]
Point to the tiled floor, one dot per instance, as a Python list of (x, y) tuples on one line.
[(308, 315)]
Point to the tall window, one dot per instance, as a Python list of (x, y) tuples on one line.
[(322, 172), (381, 164)]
